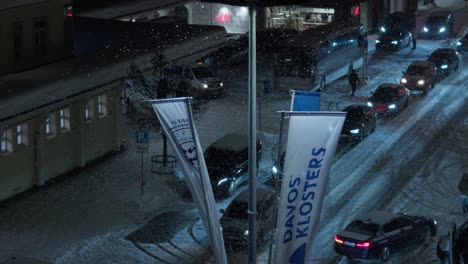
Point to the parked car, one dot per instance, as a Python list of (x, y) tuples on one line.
[(438, 25), (194, 81), (462, 44), (234, 221), (420, 76), (227, 163), (454, 244), (393, 40), (361, 121), (378, 234), (389, 99), (447, 61)]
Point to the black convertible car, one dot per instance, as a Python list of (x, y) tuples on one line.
[(379, 233)]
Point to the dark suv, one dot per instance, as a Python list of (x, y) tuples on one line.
[(235, 224), (227, 163)]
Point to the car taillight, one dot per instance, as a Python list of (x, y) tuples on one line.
[(363, 245), (338, 240)]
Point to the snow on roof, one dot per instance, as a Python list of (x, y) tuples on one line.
[(131, 43), (377, 217)]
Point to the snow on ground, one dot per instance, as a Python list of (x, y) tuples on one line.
[(412, 163)]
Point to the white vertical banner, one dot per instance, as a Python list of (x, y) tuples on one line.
[(176, 120), (311, 144)]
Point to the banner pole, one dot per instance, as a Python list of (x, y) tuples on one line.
[(252, 206), (142, 180), (207, 211), (280, 169)]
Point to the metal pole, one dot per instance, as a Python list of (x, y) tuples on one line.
[(142, 180), (280, 170), (252, 137)]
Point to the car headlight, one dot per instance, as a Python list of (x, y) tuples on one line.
[(382, 29), (421, 82), (246, 232), (205, 86), (221, 84), (377, 41), (403, 80), (274, 169), (459, 43), (369, 104), (441, 30), (222, 181), (394, 42), (445, 66), (425, 29), (354, 131), (392, 106)]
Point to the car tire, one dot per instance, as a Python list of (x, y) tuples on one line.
[(384, 254)]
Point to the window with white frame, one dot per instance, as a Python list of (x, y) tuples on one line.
[(50, 125), (89, 111), (6, 145), (64, 119), (22, 134), (102, 105)]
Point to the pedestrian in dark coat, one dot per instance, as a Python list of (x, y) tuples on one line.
[(353, 81)]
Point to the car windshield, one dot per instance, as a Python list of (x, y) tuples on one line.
[(216, 157), (384, 93), (417, 70), (238, 209), (436, 20), (354, 115), (359, 227), (203, 73), (438, 56)]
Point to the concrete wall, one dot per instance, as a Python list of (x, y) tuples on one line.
[(45, 157), (27, 14)]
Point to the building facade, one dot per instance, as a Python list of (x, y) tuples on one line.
[(32, 34)]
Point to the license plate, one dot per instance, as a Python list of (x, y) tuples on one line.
[(349, 244)]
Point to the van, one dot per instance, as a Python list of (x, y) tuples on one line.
[(438, 25)]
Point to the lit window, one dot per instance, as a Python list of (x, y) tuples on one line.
[(89, 110), (5, 145), (50, 127), (22, 134), (102, 105), (64, 119)]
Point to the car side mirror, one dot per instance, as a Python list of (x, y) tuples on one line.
[(222, 210)]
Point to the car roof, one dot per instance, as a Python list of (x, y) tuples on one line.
[(389, 85), (355, 106), (444, 50), (440, 13), (377, 217), (233, 141), (421, 63), (261, 194)]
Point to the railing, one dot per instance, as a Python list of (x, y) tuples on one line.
[(161, 166)]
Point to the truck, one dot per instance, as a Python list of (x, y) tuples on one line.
[(195, 81)]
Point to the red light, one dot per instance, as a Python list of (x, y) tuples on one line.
[(338, 240), (363, 245), (69, 15), (356, 10)]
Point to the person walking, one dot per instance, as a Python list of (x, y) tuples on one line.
[(353, 81)]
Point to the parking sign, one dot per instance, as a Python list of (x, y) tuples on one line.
[(142, 141)]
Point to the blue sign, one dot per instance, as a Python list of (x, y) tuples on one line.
[(142, 137), (306, 101)]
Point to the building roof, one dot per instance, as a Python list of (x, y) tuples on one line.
[(117, 44)]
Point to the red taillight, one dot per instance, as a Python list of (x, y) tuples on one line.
[(338, 240), (363, 245)]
